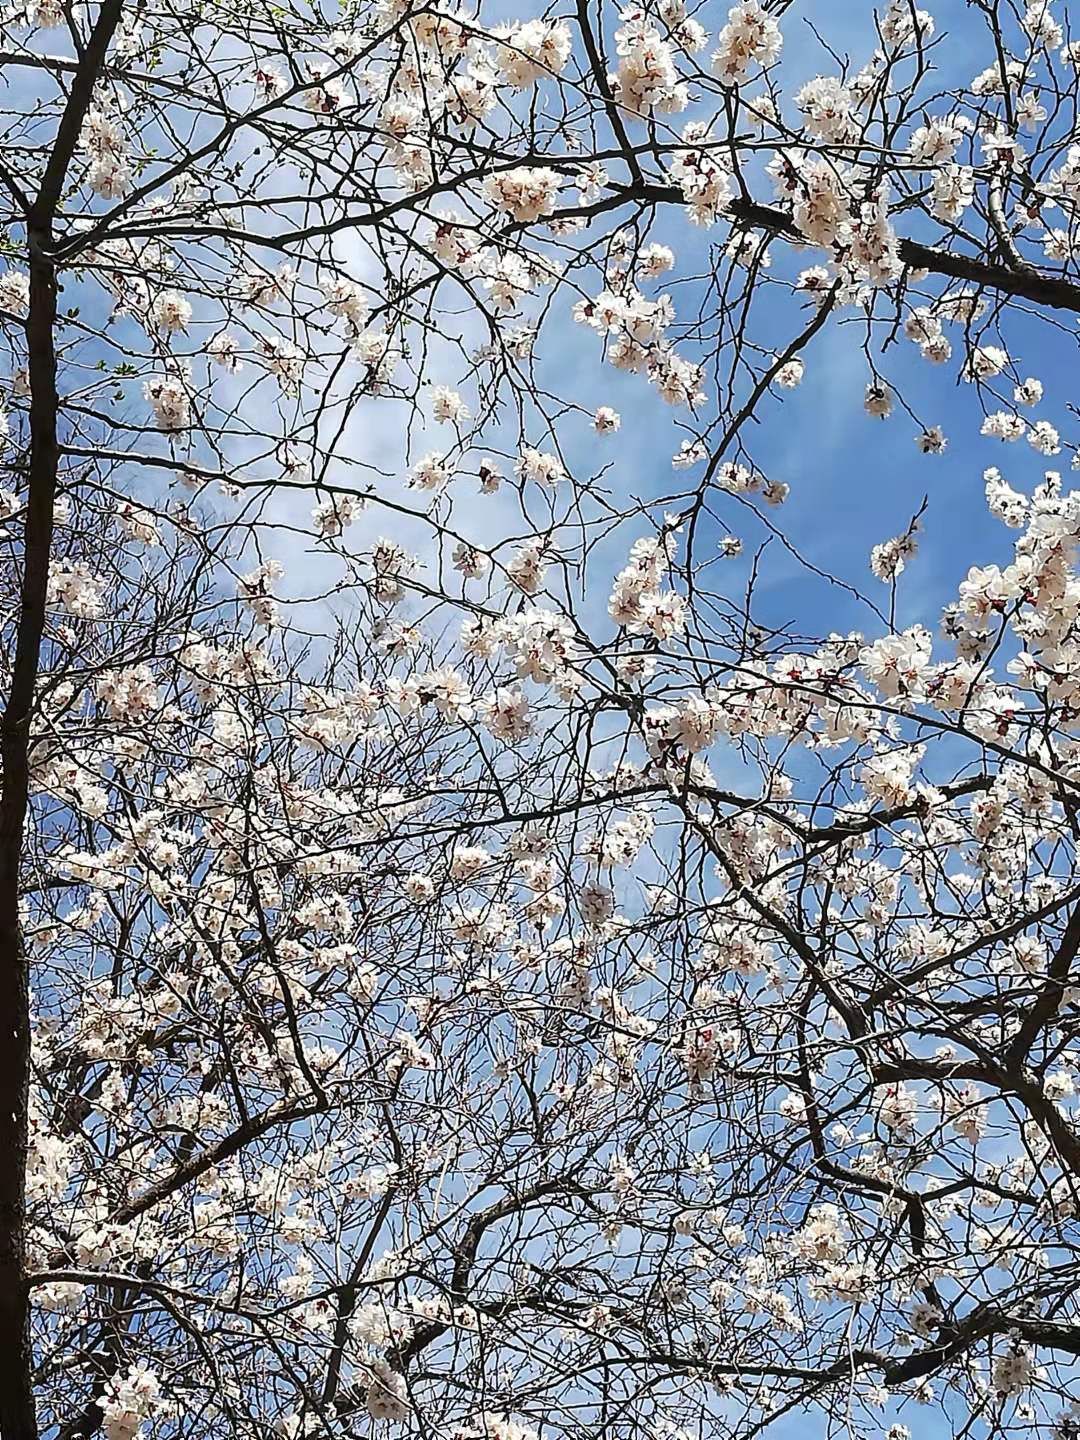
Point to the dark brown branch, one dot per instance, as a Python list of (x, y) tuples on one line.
[(17, 1410), (1026, 284)]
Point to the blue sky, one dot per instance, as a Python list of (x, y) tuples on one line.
[(854, 480)]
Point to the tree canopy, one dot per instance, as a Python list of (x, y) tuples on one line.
[(517, 919)]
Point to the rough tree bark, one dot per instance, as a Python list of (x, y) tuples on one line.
[(17, 1411)]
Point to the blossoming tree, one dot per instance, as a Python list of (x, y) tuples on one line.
[(466, 968)]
